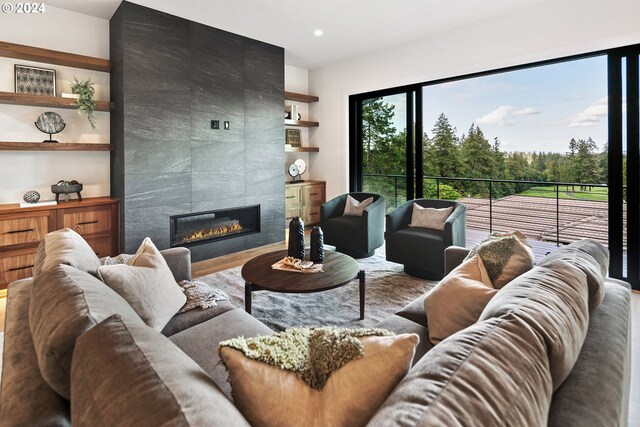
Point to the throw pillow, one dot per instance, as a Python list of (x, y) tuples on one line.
[(127, 374), (200, 294), (147, 284), (355, 208), (65, 247), (429, 217), (278, 393), (505, 256), (458, 300)]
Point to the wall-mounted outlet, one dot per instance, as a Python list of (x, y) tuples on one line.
[(226, 125), (215, 124)]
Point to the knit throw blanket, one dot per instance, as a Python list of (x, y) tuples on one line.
[(310, 353)]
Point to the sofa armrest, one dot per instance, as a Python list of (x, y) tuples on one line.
[(179, 262), (453, 257)]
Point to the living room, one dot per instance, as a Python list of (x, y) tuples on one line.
[(169, 80)]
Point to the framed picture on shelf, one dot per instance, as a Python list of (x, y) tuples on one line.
[(35, 81), (294, 137)]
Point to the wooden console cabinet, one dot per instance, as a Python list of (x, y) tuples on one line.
[(303, 199), (22, 229)]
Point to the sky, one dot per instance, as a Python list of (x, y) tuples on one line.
[(535, 109)]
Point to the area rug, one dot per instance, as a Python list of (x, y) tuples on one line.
[(388, 289)]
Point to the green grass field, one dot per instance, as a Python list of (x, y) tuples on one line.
[(598, 194)]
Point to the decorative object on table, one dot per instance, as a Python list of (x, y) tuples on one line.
[(31, 196), (294, 137), (85, 102), (66, 187), (296, 238), (35, 81), (50, 122), (302, 166), (317, 245), (296, 169), (291, 112), (296, 265)]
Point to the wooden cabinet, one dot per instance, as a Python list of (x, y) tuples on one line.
[(303, 199), (22, 229)]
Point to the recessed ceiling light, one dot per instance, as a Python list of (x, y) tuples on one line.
[(318, 33)]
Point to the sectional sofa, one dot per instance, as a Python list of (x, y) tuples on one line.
[(534, 357)]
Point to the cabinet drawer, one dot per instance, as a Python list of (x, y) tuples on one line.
[(291, 213), (314, 195), (102, 246), (23, 230), (311, 214), (15, 267), (91, 220), (292, 196)]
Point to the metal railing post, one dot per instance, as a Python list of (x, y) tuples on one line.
[(557, 215), (395, 189), (490, 207), (437, 188)]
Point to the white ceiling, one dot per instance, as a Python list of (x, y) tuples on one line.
[(351, 27)]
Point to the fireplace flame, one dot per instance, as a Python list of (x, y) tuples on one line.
[(209, 233)]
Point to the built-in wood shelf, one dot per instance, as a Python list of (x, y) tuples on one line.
[(300, 97), (301, 149), (301, 123), (30, 53), (53, 146), (46, 101)]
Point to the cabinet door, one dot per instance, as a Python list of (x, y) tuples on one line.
[(311, 214), (16, 265), (89, 220), (314, 194), (24, 229), (293, 197), (102, 246)]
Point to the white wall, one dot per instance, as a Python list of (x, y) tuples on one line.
[(547, 30), (297, 80), (21, 171)]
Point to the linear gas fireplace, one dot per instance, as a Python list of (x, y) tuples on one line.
[(205, 227)]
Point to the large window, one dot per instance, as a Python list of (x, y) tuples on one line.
[(544, 149)]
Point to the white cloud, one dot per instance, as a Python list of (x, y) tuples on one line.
[(526, 112), (496, 117), (591, 115)]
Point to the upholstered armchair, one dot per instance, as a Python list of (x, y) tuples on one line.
[(421, 250), (356, 236)]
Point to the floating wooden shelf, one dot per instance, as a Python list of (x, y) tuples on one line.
[(46, 101), (29, 53), (300, 97), (301, 149), (301, 123), (48, 146)]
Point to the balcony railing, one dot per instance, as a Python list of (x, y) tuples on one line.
[(554, 212)]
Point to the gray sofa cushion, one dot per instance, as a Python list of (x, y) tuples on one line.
[(27, 400), (190, 318), (554, 300), (414, 311), (126, 374), (65, 247), (200, 342), (494, 373), (400, 325), (597, 391), (65, 303)]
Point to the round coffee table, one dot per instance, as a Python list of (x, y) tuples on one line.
[(339, 269)]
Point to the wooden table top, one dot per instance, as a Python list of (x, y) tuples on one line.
[(339, 269)]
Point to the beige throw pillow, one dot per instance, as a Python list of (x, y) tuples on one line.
[(147, 284), (429, 217), (270, 396), (458, 300), (354, 207), (505, 256), (65, 247)]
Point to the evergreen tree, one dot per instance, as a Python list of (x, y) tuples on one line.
[(443, 148), (377, 129), (478, 160)]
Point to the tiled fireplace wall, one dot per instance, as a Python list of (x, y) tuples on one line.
[(171, 77)]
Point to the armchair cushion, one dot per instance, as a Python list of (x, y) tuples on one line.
[(429, 217), (353, 207)]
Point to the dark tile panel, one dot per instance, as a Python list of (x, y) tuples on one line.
[(218, 103), (217, 185), (271, 205), (225, 156), (263, 156), (133, 13), (150, 222), (264, 131), (263, 67), (216, 249), (264, 105), (153, 190), (264, 181), (171, 121), (220, 43), (209, 205), (157, 156), (210, 72)]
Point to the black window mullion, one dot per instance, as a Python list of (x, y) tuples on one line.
[(633, 174), (409, 148), (419, 145), (614, 82)]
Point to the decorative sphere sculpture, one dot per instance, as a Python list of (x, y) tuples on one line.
[(31, 196)]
